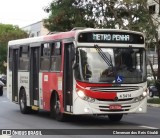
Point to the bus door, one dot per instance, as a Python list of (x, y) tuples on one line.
[(34, 75), (15, 56), (68, 77)]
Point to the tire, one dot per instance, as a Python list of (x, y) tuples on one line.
[(115, 117), (55, 109), (23, 103), (1, 91)]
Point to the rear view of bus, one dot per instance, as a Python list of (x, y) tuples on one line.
[(110, 73)]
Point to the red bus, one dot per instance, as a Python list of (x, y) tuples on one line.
[(79, 72)]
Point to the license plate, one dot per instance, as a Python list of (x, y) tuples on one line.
[(115, 107), (125, 96)]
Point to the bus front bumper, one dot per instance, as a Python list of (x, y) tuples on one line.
[(83, 107)]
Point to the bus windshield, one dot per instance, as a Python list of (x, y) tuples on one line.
[(111, 65)]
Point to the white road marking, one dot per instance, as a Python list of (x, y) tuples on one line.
[(148, 127)]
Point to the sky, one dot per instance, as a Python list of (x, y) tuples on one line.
[(22, 12)]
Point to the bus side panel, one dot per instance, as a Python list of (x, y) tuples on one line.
[(23, 82), (40, 91), (9, 85), (51, 82)]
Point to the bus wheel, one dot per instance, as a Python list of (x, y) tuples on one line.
[(23, 103), (115, 117), (1, 91), (56, 109)]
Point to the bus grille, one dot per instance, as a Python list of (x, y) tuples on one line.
[(115, 89), (112, 100)]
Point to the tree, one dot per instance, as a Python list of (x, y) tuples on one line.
[(7, 33), (67, 14)]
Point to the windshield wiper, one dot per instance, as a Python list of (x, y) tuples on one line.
[(104, 56)]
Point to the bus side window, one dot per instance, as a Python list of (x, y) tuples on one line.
[(56, 49), (45, 57), (24, 58)]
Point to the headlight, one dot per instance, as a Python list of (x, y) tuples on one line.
[(82, 95), (141, 97), (144, 94)]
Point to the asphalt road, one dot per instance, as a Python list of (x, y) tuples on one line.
[(11, 118)]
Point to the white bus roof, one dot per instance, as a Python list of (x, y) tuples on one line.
[(63, 35)]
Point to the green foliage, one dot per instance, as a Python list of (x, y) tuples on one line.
[(8, 32), (67, 14), (154, 101), (3, 57)]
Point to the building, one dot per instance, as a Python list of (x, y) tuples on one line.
[(36, 29), (154, 9)]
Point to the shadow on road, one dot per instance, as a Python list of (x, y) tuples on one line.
[(87, 120)]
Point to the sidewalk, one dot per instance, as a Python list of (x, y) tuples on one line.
[(153, 105)]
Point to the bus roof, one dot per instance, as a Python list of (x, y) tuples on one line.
[(57, 36), (62, 35)]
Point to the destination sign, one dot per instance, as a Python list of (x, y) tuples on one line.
[(110, 37)]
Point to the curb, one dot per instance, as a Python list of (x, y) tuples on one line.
[(153, 105)]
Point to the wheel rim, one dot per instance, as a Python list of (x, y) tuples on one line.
[(57, 107), (22, 102)]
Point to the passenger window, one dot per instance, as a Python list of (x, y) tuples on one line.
[(45, 57), (24, 58), (56, 50)]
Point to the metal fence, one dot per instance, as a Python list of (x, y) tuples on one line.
[(153, 59)]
